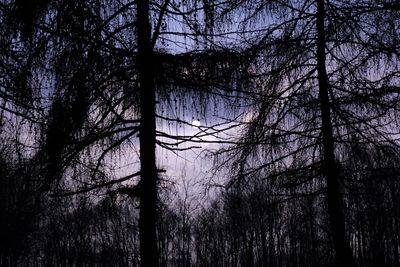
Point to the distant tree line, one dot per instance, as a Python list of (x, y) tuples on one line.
[(258, 223)]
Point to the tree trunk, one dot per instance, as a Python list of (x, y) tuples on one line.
[(336, 218), (148, 182)]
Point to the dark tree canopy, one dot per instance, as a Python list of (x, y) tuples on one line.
[(112, 113)]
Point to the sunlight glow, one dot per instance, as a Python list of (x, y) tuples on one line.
[(196, 123)]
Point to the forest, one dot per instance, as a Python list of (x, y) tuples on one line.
[(200, 133)]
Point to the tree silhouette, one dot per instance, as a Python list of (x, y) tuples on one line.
[(312, 57), (101, 70), (93, 92)]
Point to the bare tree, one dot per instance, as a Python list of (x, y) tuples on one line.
[(310, 58)]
